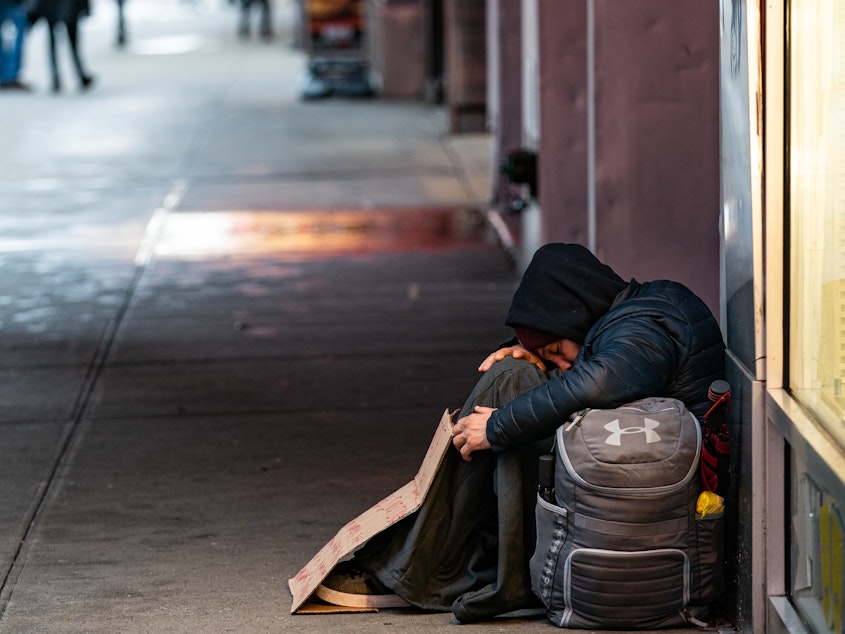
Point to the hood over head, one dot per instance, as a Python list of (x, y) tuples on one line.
[(563, 293)]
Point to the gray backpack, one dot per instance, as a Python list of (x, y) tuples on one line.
[(620, 545)]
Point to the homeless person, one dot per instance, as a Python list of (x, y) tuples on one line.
[(584, 337)]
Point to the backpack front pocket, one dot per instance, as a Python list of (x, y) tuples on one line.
[(649, 588)]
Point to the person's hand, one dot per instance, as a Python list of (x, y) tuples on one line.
[(470, 432), (517, 352)]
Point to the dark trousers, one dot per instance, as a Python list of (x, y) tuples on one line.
[(468, 546), (265, 23)]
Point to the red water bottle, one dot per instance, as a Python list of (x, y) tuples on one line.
[(716, 440)]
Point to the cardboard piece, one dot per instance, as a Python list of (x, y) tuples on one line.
[(370, 523), (313, 607)]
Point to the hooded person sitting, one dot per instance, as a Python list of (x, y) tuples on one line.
[(584, 338), (613, 342)]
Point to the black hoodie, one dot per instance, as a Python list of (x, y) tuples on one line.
[(564, 291)]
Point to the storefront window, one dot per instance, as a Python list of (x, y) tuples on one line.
[(817, 210), (817, 299), (816, 553)]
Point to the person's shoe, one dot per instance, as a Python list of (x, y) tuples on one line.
[(352, 587), (15, 85)]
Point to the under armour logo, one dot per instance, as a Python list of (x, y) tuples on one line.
[(649, 425)]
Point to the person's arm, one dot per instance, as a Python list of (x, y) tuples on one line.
[(628, 361)]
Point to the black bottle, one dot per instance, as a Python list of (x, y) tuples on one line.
[(546, 487)]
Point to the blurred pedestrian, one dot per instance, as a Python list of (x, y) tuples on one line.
[(66, 13), (265, 25), (13, 20), (121, 23)]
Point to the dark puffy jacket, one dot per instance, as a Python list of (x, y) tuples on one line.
[(657, 339)]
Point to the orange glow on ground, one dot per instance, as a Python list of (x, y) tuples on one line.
[(203, 235)]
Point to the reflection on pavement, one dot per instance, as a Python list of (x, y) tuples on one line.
[(171, 45), (203, 235)]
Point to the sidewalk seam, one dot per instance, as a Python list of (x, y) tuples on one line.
[(101, 355)]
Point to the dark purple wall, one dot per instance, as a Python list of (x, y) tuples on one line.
[(657, 137)]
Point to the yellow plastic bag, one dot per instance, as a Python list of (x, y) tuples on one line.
[(709, 503)]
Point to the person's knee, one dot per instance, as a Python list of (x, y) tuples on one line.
[(510, 366), (504, 381)]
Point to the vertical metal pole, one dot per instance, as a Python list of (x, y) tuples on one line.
[(531, 217)]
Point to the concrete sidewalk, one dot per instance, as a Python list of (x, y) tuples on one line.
[(231, 322)]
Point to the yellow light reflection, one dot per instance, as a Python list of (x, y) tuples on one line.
[(201, 235)]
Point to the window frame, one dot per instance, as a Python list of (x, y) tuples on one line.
[(788, 425)]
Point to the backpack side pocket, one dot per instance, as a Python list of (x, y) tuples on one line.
[(710, 531), (552, 531)]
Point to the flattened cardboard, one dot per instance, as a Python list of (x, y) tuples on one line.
[(370, 523), (312, 607)]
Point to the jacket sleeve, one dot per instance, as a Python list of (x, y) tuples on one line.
[(634, 358)]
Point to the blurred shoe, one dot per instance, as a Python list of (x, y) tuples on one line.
[(15, 85), (86, 82), (352, 587)]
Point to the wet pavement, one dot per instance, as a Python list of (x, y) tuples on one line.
[(231, 322)]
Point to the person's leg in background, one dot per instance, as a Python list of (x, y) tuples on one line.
[(13, 26), (121, 23), (266, 24), (243, 20)]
